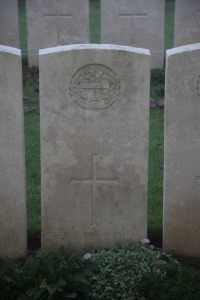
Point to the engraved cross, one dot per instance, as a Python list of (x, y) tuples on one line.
[(58, 16), (132, 16), (94, 181)]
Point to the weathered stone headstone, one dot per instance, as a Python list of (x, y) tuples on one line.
[(55, 22), (182, 152), (138, 23), (9, 23), (187, 22), (13, 235), (94, 145)]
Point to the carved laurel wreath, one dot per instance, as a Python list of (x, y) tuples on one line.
[(95, 73)]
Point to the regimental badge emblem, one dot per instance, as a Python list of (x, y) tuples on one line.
[(94, 87)]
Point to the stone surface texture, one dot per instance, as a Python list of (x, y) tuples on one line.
[(94, 145), (138, 23), (182, 155), (187, 22), (55, 22), (9, 23), (13, 233)]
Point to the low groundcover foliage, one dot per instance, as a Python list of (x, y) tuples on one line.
[(126, 271), (124, 268), (177, 285), (47, 277)]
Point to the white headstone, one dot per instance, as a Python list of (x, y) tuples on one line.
[(94, 145), (187, 22), (182, 152), (13, 235), (138, 23), (9, 23), (55, 22)]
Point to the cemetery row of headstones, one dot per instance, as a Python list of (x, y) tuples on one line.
[(138, 23), (94, 148)]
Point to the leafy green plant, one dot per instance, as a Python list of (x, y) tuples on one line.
[(10, 280), (178, 284), (31, 77), (45, 276), (157, 83), (123, 268), (157, 77), (31, 86)]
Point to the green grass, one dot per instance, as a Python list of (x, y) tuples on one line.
[(32, 129), (169, 25), (23, 31), (155, 173), (95, 31), (32, 147)]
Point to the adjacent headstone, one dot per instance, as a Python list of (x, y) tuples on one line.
[(13, 234), (9, 23), (182, 152), (94, 145), (187, 22), (138, 23), (55, 22)]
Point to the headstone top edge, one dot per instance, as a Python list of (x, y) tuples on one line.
[(182, 49), (10, 50), (94, 46)]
